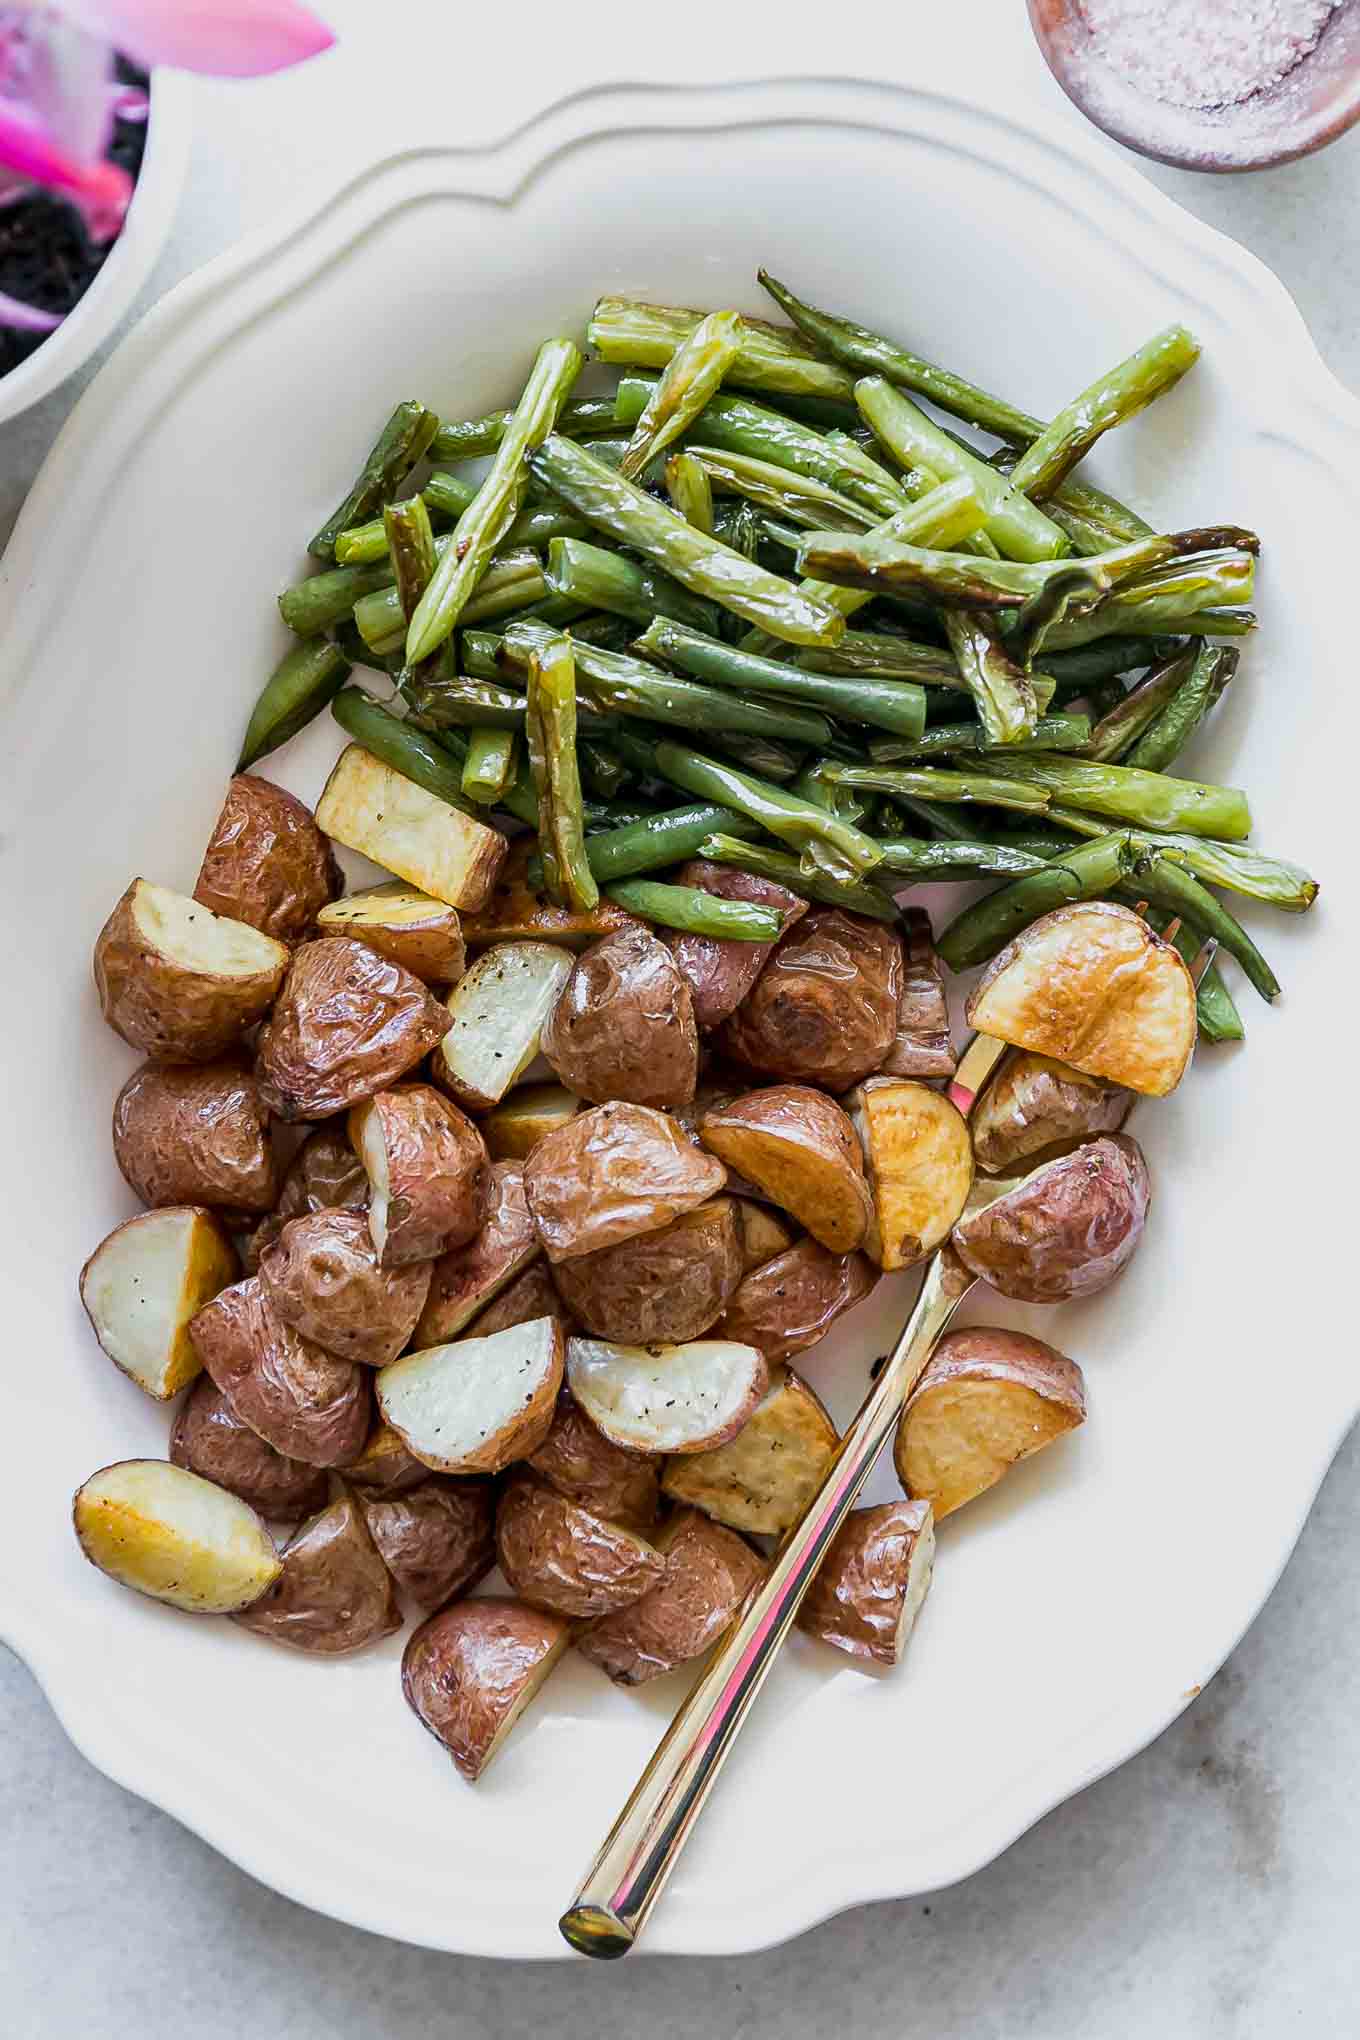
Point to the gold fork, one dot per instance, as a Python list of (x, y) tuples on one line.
[(616, 1896)]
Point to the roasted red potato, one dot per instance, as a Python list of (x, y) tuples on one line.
[(323, 1277), (922, 1046), (764, 1233), (1064, 1230), (383, 815), (919, 1160), (141, 1286), (267, 863), (720, 974), (1093, 985), (869, 1588), (610, 1173), (178, 981), (517, 912), (709, 1573), (987, 1398), (560, 1556), (470, 1671), (306, 1403), (334, 1594), (623, 1027), (532, 1294), (170, 1534), (210, 1439), (581, 1463), (195, 1134), (658, 1287), (476, 1405), (406, 926), (385, 1467), (428, 1171), (513, 1129), (799, 1149), (324, 1175), (762, 1480), (496, 1016), (788, 1303), (437, 1540), (465, 1281), (666, 1398), (347, 1023), (1034, 1105), (824, 1009)]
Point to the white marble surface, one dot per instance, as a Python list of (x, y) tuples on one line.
[(1210, 1888)]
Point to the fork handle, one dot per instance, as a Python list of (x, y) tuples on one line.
[(626, 1878)]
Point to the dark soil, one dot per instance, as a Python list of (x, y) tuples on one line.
[(46, 257)]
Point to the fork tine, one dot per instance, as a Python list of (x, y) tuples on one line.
[(1203, 958), (1172, 929)]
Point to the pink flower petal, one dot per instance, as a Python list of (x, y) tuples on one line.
[(225, 38), (26, 318), (100, 189)]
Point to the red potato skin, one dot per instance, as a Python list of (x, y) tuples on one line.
[(855, 1600), (1067, 1230), (439, 1174), (616, 1170), (787, 1304), (709, 1573), (1034, 1104), (922, 1046), (324, 1175), (825, 1008), (624, 1025), (172, 1016), (322, 1277), (210, 1439), (463, 1670), (474, 1273), (587, 1468), (267, 863), (347, 1023), (195, 1134), (437, 1540), (797, 1121), (385, 1467), (334, 1594), (662, 1287), (559, 1556), (993, 1353), (531, 1295), (304, 1402), (720, 974)]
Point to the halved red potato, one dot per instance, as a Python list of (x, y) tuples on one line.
[(788, 1303), (519, 912), (922, 1046), (665, 1286), (987, 1398), (437, 1540), (513, 1129), (209, 1438), (1064, 1230), (385, 1467), (464, 1281), (195, 1134), (142, 1284), (623, 1027), (800, 1150), (323, 1277), (346, 1024), (824, 1009), (428, 1172), (496, 1015), (267, 863), (477, 1404), (762, 1480), (709, 1573), (764, 1233), (666, 1398), (380, 813), (171, 1535), (557, 1555), (611, 1172), (470, 1671), (406, 926), (306, 1403), (334, 1594), (532, 1294), (1093, 985), (178, 981), (869, 1588), (581, 1463), (721, 973), (919, 1159), (1034, 1104)]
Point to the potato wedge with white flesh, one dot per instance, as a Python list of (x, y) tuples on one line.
[(1093, 985), (763, 1479), (267, 863), (429, 1174), (709, 1573), (666, 1398), (209, 1438), (372, 809), (196, 1133), (868, 1590), (590, 1469), (923, 1046), (612, 1172), (787, 1304), (178, 981), (659, 1287), (497, 1014), (464, 1281), (172, 1535), (1064, 1230), (986, 1399), (334, 1594), (532, 1294), (437, 1540), (470, 1671), (477, 1404), (408, 927), (323, 1277), (141, 1286), (558, 1555), (1034, 1104), (515, 1127), (799, 1149), (347, 1023), (919, 1160), (764, 1233), (305, 1402)]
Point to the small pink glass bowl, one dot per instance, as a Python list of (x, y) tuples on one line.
[(1317, 101)]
